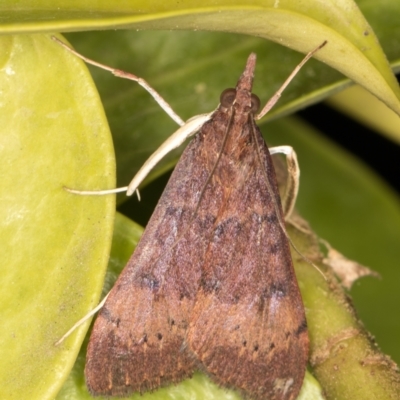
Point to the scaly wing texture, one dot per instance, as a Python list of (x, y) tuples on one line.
[(138, 340), (248, 326)]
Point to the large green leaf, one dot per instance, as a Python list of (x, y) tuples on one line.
[(355, 102), (298, 25), (54, 245)]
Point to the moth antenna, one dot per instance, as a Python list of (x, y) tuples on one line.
[(273, 100), (126, 75)]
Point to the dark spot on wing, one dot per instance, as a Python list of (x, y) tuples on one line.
[(261, 304), (210, 285), (272, 346), (231, 225), (275, 290), (219, 230), (107, 315), (271, 219), (302, 328), (174, 212), (207, 221), (149, 281), (273, 249), (278, 290)]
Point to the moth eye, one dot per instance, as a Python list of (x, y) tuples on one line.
[(227, 97), (255, 103)]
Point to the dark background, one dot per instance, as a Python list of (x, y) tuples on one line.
[(380, 153)]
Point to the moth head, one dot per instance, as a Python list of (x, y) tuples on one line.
[(228, 97)]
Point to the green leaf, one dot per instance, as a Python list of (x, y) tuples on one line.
[(54, 245), (383, 16), (298, 25), (368, 110)]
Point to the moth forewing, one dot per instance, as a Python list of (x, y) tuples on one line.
[(248, 326)]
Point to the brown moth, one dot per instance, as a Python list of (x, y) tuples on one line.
[(211, 284)]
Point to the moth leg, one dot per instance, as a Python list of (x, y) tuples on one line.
[(186, 130), (174, 141), (293, 179), (291, 191), (126, 75), (82, 320)]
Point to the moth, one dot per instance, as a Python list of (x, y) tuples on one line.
[(211, 285)]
